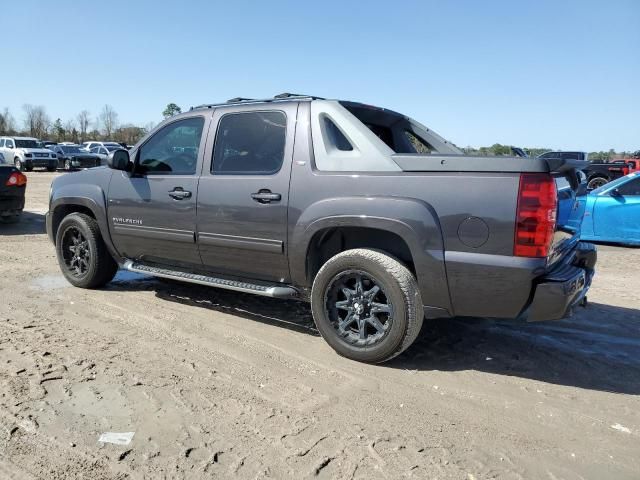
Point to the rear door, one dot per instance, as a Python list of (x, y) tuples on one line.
[(617, 216), (244, 192), (152, 213)]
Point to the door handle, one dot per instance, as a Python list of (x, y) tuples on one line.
[(266, 196), (179, 194)]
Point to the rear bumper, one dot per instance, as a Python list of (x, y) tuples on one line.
[(556, 293), (11, 204)]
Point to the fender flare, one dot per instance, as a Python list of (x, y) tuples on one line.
[(91, 197), (415, 221)]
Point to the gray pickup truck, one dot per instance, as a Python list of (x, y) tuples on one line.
[(375, 219)]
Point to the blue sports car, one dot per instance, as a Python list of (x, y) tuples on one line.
[(612, 212)]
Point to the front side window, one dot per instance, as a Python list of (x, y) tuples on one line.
[(250, 143), (173, 150), (1, 142), (631, 188)]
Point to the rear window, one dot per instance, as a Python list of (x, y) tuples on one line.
[(395, 130)]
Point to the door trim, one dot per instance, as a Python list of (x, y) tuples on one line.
[(247, 243), (157, 233)]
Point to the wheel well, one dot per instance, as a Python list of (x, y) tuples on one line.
[(62, 211), (331, 241)]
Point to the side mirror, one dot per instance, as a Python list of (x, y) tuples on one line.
[(615, 193), (119, 160)]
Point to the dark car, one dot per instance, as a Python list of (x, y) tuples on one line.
[(13, 184), (71, 157), (374, 219)]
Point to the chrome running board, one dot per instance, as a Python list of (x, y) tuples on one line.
[(264, 289)]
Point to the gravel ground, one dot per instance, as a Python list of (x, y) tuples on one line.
[(220, 384)]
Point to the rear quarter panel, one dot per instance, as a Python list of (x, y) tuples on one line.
[(459, 227)]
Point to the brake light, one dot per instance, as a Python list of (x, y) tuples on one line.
[(535, 215), (16, 179)]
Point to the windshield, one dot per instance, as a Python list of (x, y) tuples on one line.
[(615, 183), (71, 149), (27, 143)]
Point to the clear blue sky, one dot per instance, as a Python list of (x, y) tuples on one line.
[(562, 74)]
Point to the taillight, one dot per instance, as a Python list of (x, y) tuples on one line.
[(16, 179), (536, 215)]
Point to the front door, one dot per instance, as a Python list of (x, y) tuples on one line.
[(152, 213), (617, 214), (244, 192)]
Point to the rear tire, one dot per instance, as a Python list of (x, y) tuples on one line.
[(366, 305), (82, 254), (596, 182)]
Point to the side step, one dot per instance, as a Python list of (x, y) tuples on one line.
[(264, 289)]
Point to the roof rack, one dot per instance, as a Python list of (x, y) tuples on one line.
[(240, 99), (237, 100)]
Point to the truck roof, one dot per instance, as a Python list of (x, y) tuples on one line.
[(282, 97)]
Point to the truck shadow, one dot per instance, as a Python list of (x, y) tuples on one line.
[(290, 314), (30, 224), (598, 348)]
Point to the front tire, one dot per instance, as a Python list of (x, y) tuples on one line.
[(18, 164), (366, 305), (67, 165), (82, 255)]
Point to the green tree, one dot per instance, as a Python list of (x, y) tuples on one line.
[(171, 110), (59, 130)]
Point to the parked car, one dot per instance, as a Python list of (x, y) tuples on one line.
[(327, 201), (601, 173), (612, 212), (13, 184), (581, 156), (26, 153), (71, 157), (91, 144), (102, 152), (48, 143)]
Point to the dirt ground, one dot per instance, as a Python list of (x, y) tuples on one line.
[(225, 385)]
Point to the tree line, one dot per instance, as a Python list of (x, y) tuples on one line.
[(103, 126), (501, 150)]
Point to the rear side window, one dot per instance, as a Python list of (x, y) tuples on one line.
[(250, 143), (173, 150), (1, 142), (335, 136)]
